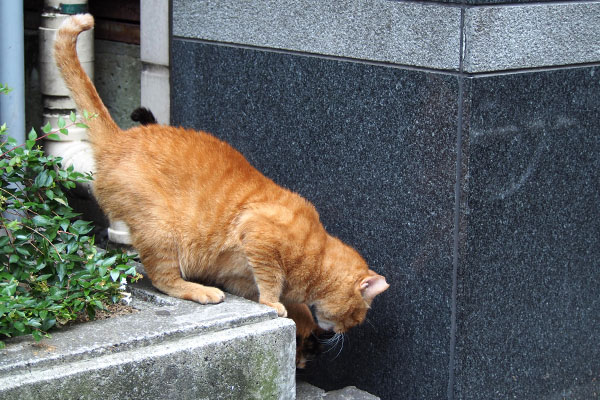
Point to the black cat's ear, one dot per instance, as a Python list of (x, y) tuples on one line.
[(373, 285), (143, 116)]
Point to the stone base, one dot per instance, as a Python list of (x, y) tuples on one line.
[(306, 391), (169, 349)]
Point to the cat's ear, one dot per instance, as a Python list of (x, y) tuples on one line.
[(373, 285)]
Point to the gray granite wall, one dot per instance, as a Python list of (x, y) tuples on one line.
[(456, 145)]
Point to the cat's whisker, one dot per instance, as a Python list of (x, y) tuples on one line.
[(370, 323), (330, 343), (341, 347), (333, 342), (328, 340)]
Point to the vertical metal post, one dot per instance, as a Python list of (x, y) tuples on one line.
[(12, 67)]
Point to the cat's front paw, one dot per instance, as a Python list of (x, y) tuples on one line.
[(209, 295), (281, 311)]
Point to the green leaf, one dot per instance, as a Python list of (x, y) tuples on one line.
[(48, 323), (72, 247), (47, 128), (53, 136), (34, 322), (11, 141), (23, 251), (13, 259), (32, 135), (41, 220), (30, 144), (81, 125), (37, 335), (13, 225), (61, 270), (44, 179), (72, 116), (64, 131), (19, 326), (80, 227), (109, 261), (91, 312), (64, 225), (61, 122), (114, 275)]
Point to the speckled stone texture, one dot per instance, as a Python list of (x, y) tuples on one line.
[(529, 277), (410, 33), (374, 149), (489, 2), (525, 36)]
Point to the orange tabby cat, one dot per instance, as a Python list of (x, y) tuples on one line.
[(198, 211)]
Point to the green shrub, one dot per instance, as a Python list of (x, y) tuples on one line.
[(50, 269)]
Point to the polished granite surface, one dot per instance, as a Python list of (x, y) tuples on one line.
[(373, 149), (529, 286)]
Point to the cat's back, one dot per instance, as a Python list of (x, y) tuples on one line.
[(175, 168), (176, 153)]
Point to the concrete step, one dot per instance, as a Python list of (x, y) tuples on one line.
[(306, 391), (169, 349)]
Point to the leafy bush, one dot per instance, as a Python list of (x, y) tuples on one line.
[(50, 269)]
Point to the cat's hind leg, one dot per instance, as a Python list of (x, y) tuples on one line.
[(163, 270)]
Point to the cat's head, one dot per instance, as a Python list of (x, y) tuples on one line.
[(350, 291)]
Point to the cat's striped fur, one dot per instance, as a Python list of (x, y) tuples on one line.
[(199, 212)]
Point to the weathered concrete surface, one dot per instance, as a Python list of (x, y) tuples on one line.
[(306, 391), (170, 349), (117, 78), (349, 393)]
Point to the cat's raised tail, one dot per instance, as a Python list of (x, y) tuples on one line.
[(82, 89)]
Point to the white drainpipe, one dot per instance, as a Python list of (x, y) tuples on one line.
[(74, 148), (12, 106)]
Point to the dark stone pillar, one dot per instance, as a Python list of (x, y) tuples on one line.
[(456, 146)]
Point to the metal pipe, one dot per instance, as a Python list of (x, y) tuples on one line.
[(12, 67)]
